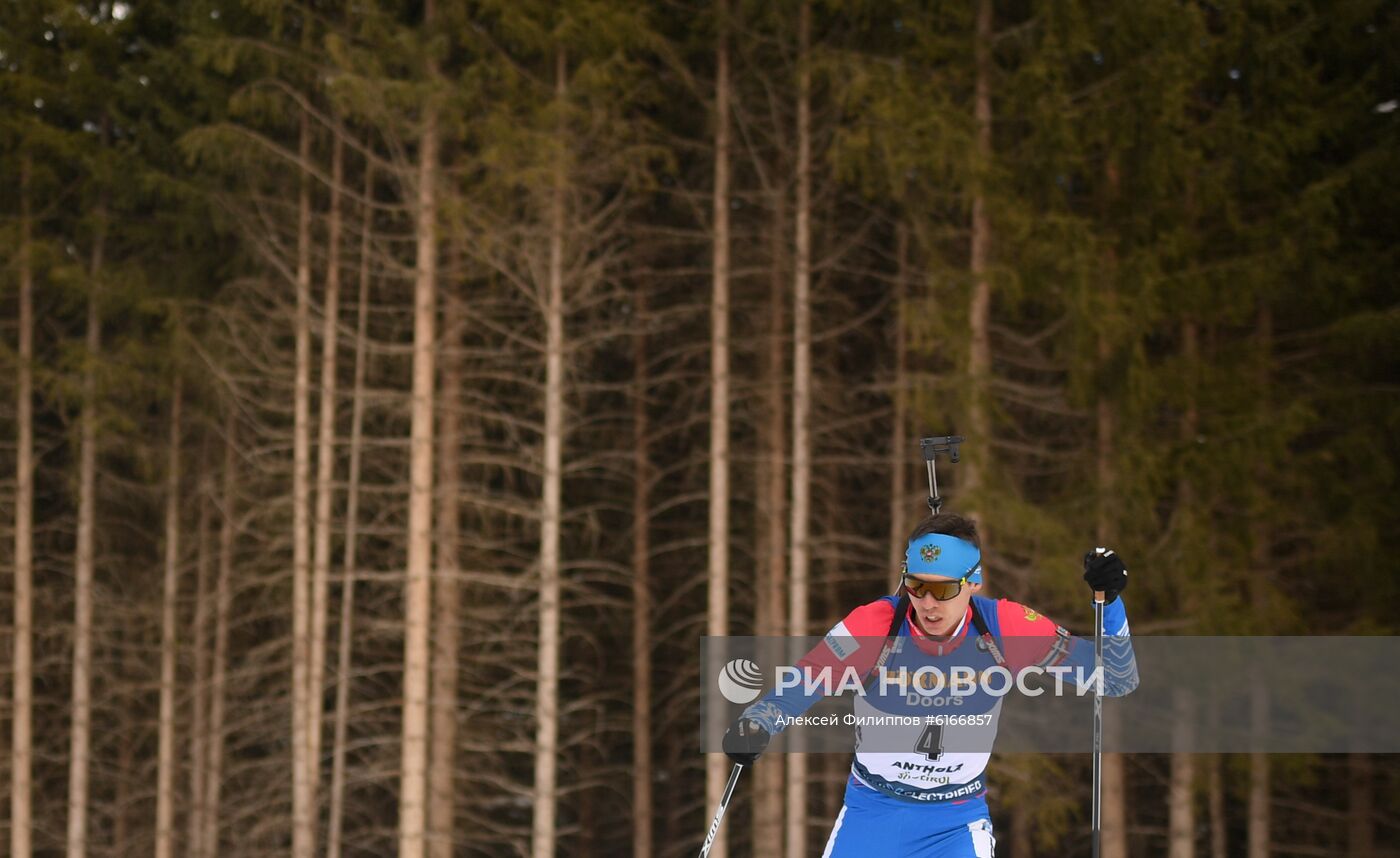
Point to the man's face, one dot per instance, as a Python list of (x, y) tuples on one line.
[(936, 618)]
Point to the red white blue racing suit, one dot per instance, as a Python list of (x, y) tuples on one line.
[(928, 802)]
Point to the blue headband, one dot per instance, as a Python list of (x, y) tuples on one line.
[(941, 554)]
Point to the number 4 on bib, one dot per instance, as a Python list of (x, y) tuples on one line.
[(930, 742)]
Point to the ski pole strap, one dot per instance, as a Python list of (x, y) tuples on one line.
[(986, 635)]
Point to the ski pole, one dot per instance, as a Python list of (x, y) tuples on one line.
[(723, 806), (1097, 813)]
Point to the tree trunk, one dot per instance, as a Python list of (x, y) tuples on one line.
[(1114, 811), (979, 361), (1190, 427), (199, 703), (84, 564), (1181, 812), (418, 588), (547, 697), (21, 723), (325, 493), (303, 814), (641, 591), (717, 765), (165, 781), (769, 779), (801, 414), (899, 530), (1216, 788), (446, 602), (223, 606), (1114, 818), (352, 508), (1361, 840), (1258, 843)]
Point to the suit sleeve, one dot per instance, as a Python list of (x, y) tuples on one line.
[(1033, 640), (1119, 662), (853, 643), (1029, 638)]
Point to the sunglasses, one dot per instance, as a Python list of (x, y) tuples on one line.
[(940, 590)]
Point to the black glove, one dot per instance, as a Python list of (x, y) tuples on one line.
[(1104, 572), (745, 741)]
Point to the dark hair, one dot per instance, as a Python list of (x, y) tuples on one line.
[(950, 523)]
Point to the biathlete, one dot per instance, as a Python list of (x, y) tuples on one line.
[(929, 800)]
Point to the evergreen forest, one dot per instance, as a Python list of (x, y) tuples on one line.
[(396, 392)]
